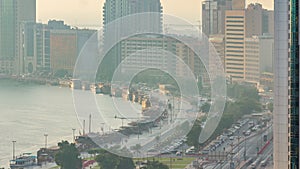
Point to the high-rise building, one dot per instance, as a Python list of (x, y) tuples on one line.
[(65, 47), (114, 9), (63, 50), (48, 48), (218, 42), (286, 85), (268, 22), (259, 21), (213, 16), (238, 4), (252, 60), (235, 45), (157, 51), (258, 57), (266, 53), (12, 13), (34, 54), (254, 20)]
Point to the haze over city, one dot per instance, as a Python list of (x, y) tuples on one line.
[(127, 84), (89, 12)]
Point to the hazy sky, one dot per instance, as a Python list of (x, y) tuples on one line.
[(89, 12)]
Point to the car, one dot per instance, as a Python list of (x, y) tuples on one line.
[(250, 123), (205, 151), (247, 133), (254, 128), (178, 153), (231, 138)]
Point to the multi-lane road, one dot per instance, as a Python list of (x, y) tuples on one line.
[(240, 151)]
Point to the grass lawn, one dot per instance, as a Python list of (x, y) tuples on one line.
[(176, 162)]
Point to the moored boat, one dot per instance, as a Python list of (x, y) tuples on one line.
[(23, 161)]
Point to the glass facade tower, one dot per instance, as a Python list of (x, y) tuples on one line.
[(294, 85), (286, 85), (7, 24), (12, 13)]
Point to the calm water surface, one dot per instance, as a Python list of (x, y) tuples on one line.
[(28, 111)]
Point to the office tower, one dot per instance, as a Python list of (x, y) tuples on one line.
[(65, 47), (63, 50), (42, 48), (268, 22), (135, 50), (286, 85), (12, 13), (55, 24), (266, 53), (50, 48), (34, 54), (238, 4), (258, 20), (114, 9), (234, 45), (218, 42), (258, 57), (252, 60), (26, 61), (213, 16), (254, 20)]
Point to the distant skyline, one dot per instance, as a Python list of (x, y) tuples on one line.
[(89, 12)]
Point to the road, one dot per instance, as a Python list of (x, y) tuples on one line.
[(252, 145), (238, 150)]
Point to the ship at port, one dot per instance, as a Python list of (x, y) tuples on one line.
[(25, 160)]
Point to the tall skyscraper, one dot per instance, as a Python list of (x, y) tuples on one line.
[(258, 57), (12, 13), (114, 9), (258, 20), (254, 20), (238, 4), (235, 45), (213, 16), (286, 87)]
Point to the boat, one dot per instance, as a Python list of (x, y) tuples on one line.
[(23, 161)]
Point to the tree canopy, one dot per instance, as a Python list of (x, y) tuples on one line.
[(245, 101), (107, 160), (68, 156), (155, 165)]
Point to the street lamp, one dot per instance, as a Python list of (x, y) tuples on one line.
[(73, 135), (122, 118), (14, 142), (46, 135), (102, 128), (245, 152)]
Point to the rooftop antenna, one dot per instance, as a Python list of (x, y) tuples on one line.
[(83, 132), (90, 123)]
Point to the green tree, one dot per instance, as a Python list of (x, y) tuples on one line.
[(246, 102), (238, 91), (68, 156), (205, 107), (155, 165), (270, 107), (125, 163), (61, 73), (193, 135), (107, 160)]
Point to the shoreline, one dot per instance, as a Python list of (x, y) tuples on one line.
[(36, 80)]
